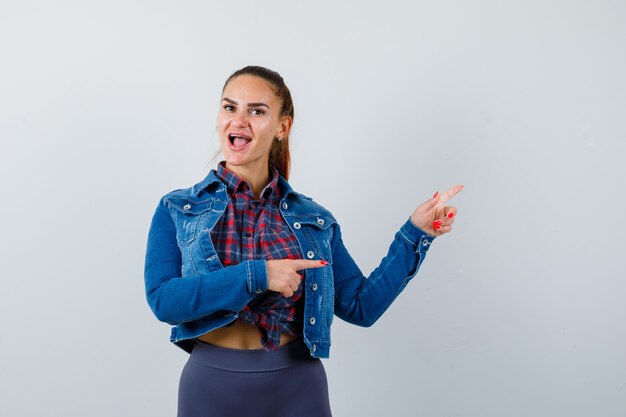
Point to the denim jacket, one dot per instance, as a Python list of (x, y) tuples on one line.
[(188, 287)]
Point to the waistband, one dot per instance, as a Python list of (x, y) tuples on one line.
[(250, 360)]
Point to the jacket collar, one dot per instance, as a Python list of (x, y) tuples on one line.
[(207, 185)]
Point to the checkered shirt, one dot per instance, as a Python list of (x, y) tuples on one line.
[(254, 229)]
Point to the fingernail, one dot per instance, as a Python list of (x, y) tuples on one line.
[(450, 215), (324, 262), (435, 196), (437, 227)]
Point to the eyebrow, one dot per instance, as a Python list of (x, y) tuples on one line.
[(249, 104)]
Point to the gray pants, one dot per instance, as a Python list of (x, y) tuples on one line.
[(225, 382)]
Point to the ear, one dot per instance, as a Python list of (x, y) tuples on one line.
[(285, 126)]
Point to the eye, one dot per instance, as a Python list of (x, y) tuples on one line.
[(258, 111), (227, 107)]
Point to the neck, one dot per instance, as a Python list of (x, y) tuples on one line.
[(256, 175)]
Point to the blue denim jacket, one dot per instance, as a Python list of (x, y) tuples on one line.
[(188, 287)]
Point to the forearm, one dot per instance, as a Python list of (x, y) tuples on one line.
[(362, 300), (178, 299), (174, 298)]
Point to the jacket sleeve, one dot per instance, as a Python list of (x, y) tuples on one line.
[(175, 299), (362, 300)]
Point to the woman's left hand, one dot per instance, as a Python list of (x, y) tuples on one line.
[(433, 216)]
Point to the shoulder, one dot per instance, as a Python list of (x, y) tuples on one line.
[(300, 204), (305, 205), (184, 200), (178, 193)]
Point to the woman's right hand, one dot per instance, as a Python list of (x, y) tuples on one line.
[(282, 276)]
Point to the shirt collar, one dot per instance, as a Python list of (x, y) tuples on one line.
[(236, 184), (206, 185)]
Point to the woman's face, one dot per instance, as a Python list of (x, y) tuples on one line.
[(248, 121)]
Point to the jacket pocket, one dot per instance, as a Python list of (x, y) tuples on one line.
[(188, 215), (318, 232), (320, 222)]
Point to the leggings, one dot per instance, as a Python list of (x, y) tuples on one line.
[(224, 382)]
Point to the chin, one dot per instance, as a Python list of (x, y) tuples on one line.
[(236, 160)]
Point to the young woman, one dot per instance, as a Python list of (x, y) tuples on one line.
[(250, 272)]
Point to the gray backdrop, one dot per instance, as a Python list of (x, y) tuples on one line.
[(106, 106)]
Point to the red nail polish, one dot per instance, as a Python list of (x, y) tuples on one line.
[(324, 262), (450, 215), (437, 227), (437, 222), (435, 196)]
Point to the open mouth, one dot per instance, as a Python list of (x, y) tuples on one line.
[(238, 142)]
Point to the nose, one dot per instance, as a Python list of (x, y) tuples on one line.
[(240, 119)]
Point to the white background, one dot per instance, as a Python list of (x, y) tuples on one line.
[(106, 106)]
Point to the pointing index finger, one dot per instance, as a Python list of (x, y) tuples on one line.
[(450, 193), (309, 263)]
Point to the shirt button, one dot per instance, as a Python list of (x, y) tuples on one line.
[(248, 234), (310, 254), (312, 320), (187, 206), (314, 286), (296, 225), (285, 205)]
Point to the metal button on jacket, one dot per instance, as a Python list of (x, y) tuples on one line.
[(285, 205), (312, 320), (310, 254), (320, 221), (314, 286), (425, 242), (296, 225), (187, 206)]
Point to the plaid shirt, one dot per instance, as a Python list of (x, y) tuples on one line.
[(254, 229)]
